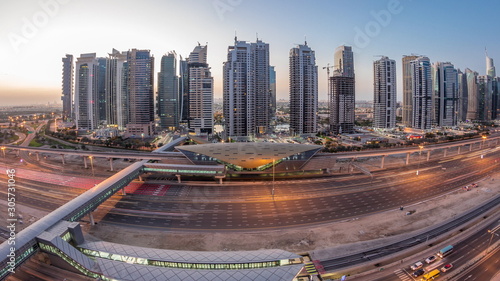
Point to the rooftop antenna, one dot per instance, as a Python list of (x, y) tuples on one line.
[(235, 37), (257, 35), (305, 40), (199, 43)]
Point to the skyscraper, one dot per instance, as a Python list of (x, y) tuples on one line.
[(200, 92), (472, 91), (445, 94), (484, 97), (384, 90), (421, 85), (303, 90), (344, 61), (407, 91), (168, 93), (342, 92), (495, 93), (86, 109), (183, 91), (495, 98), (101, 89), (490, 67), (67, 86), (246, 89), (116, 89), (140, 81), (463, 96), (272, 85)]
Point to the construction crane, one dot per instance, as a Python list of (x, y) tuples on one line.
[(327, 67)]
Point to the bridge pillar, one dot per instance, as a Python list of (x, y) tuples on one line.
[(382, 162), (62, 157), (428, 155), (178, 178), (123, 192), (37, 156), (111, 164), (459, 150), (85, 162), (470, 147), (445, 151), (408, 158), (91, 218)]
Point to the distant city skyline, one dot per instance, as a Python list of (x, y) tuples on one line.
[(38, 34)]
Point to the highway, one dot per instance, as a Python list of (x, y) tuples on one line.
[(249, 206), (485, 271), (476, 143), (464, 251), (235, 207), (359, 258)]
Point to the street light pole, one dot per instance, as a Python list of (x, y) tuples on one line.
[(272, 192), (92, 164), (492, 231), (419, 158)]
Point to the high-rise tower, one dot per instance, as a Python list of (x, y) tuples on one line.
[(168, 93), (200, 92), (445, 94), (421, 85), (67, 86), (303, 90), (140, 81), (463, 96), (86, 97), (342, 92), (490, 67), (384, 90), (116, 89), (246, 89), (472, 91), (407, 90)]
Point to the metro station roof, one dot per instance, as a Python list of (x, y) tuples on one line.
[(249, 155), (189, 256)]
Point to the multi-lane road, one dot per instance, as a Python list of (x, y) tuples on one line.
[(299, 202), (236, 206), (464, 252), (160, 203)]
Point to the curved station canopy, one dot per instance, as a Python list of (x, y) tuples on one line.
[(248, 155)]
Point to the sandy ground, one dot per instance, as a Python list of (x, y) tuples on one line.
[(341, 237)]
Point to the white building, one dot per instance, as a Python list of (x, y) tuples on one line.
[(116, 89), (200, 92)]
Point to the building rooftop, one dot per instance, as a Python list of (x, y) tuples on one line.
[(249, 155)]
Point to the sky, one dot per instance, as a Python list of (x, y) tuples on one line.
[(35, 35)]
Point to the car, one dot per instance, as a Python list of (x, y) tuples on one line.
[(417, 265), (430, 259), (446, 267), (418, 272)]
